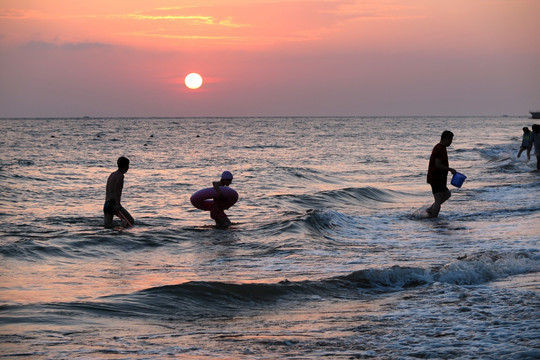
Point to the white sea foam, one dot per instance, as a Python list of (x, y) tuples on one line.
[(488, 266)]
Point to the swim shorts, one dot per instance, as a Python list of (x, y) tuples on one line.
[(438, 188), (108, 207)]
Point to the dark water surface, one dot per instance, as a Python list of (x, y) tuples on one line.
[(327, 256)]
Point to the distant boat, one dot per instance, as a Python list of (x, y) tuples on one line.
[(535, 114)]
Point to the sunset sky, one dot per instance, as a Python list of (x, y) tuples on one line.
[(269, 57)]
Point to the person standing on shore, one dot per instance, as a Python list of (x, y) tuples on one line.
[(438, 172)]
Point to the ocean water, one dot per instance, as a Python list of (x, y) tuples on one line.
[(327, 257)]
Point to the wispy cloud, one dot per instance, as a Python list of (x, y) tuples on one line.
[(194, 19), (206, 23), (18, 14), (231, 40), (44, 45)]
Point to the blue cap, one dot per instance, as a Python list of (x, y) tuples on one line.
[(226, 175)]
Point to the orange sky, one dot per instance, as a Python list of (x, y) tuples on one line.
[(257, 57)]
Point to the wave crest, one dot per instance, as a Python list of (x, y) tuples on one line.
[(469, 270), (364, 196)]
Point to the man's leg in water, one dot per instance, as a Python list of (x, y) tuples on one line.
[(219, 216), (223, 222), (128, 216), (440, 198), (108, 220)]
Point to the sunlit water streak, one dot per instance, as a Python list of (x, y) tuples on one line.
[(325, 258)]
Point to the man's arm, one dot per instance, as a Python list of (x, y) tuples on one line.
[(440, 166), (216, 185)]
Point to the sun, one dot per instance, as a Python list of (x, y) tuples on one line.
[(193, 81)]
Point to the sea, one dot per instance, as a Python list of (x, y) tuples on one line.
[(330, 254)]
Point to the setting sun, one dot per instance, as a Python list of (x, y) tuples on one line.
[(193, 81)]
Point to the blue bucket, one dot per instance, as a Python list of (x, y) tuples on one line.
[(458, 179)]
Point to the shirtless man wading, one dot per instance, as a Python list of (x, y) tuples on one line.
[(112, 205)]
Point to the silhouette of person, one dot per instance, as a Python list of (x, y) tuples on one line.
[(112, 206), (217, 212), (438, 172), (525, 142), (535, 140)]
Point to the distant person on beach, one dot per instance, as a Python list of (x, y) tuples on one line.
[(535, 140), (438, 172), (217, 213), (115, 184), (525, 142)]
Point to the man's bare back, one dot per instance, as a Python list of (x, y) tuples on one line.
[(115, 184)]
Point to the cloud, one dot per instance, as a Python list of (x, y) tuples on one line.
[(80, 46), (193, 19), (15, 14), (242, 23), (40, 45), (85, 46)]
